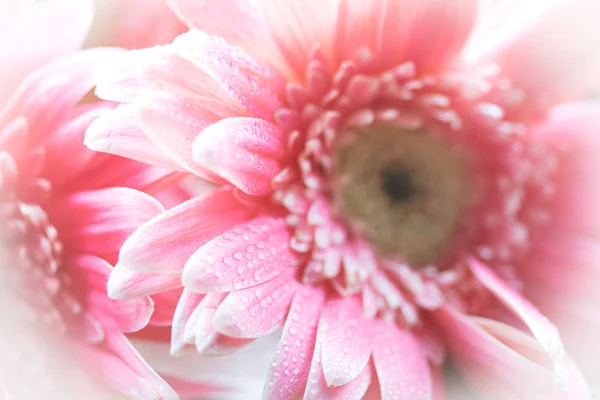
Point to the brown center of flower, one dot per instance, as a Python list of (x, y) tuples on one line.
[(402, 190)]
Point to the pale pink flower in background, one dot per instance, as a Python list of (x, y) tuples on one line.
[(396, 185), (64, 213), (133, 24)]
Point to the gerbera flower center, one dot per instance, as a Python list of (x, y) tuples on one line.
[(398, 181), (400, 189)]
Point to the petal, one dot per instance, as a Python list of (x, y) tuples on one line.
[(246, 256), (297, 343), (297, 26), (164, 244), (99, 221), (542, 46), (478, 343), (191, 390), (543, 330), (92, 273), (14, 137), (66, 158), (188, 303), (46, 30), (186, 100), (427, 33), (137, 73), (243, 24), (252, 84), (48, 94), (317, 387), (128, 371), (134, 24), (208, 341), (165, 304), (561, 277), (572, 132), (256, 311), (401, 365), (346, 341), (117, 132), (125, 283), (244, 151), (162, 116)]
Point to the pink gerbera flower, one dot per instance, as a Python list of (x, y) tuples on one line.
[(395, 186), (64, 213)]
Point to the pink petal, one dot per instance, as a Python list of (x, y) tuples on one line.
[(162, 116), (62, 24), (438, 388), (252, 84), (66, 158), (190, 390), (165, 304), (127, 370), (186, 101), (48, 94), (245, 256), (401, 365), (256, 311), (92, 273), (134, 24), (317, 387), (477, 344), (543, 330), (208, 341), (561, 277), (346, 340), (243, 24), (14, 137), (117, 132), (137, 73), (428, 33), (297, 344), (125, 283), (154, 247), (244, 151), (99, 221), (299, 25), (188, 303), (542, 46), (571, 130)]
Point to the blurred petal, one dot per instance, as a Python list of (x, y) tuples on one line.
[(100, 221), (520, 365), (47, 29), (428, 33), (542, 46)]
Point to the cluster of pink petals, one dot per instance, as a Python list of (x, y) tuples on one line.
[(222, 108), (65, 211)]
